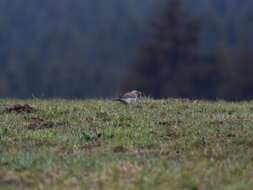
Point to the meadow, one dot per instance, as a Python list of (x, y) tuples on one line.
[(103, 144)]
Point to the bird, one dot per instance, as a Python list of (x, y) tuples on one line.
[(129, 97)]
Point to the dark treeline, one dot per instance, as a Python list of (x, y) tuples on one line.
[(68, 48), (178, 60), (63, 48)]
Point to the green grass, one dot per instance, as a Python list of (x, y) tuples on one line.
[(164, 144)]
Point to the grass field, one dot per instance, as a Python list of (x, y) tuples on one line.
[(163, 144)]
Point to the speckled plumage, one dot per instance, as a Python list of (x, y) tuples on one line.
[(129, 97)]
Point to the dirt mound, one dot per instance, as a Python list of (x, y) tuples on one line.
[(18, 108), (39, 123)]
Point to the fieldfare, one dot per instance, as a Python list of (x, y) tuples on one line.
[(129, 97)]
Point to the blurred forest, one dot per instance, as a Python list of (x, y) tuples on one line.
[(96, 48), (181, 60), (68, 48)]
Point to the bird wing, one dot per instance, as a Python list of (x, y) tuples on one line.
[(128, 95)]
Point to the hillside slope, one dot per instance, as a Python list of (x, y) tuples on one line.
[(162, 144)]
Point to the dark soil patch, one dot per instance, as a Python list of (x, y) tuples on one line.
[(120, 149), (38, 123), (13, 180), (91, 145), (139, 150), (67, 150), (18, 108)]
